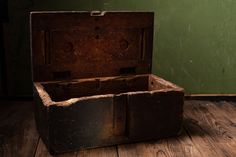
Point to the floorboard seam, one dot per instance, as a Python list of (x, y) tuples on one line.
[(117, 151), (186, 130), (36, 147)]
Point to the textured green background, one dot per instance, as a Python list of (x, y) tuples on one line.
[(194, 40)]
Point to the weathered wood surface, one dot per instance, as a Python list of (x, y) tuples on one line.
[(79, 45), (111, 119), (209, 131), (18, 135), (99, 152)]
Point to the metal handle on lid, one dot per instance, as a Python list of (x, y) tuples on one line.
[(97, 13)]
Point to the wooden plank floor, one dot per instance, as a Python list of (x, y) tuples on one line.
[(209, 131)]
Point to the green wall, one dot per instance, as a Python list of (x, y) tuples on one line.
[(194, 40)]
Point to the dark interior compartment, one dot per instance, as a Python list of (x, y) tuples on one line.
[(64, 90)]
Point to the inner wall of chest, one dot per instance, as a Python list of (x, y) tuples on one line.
[(59, 91)]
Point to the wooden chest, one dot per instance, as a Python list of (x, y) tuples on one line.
[(92, 80)]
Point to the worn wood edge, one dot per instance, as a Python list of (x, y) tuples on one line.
[(159, 79), (41, 92), (187, 97), (47, 101), (167, 83), (73, 101)]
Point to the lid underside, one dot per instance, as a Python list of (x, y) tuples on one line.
[(71, 45)]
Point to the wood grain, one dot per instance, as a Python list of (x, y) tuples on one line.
[(177, 146), (209, 131), (18, 135), (97, 152), (77, 48)]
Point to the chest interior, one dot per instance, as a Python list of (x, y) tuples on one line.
[(81, 54), (64, 90)]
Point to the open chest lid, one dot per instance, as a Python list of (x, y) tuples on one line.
[(72, 45)]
